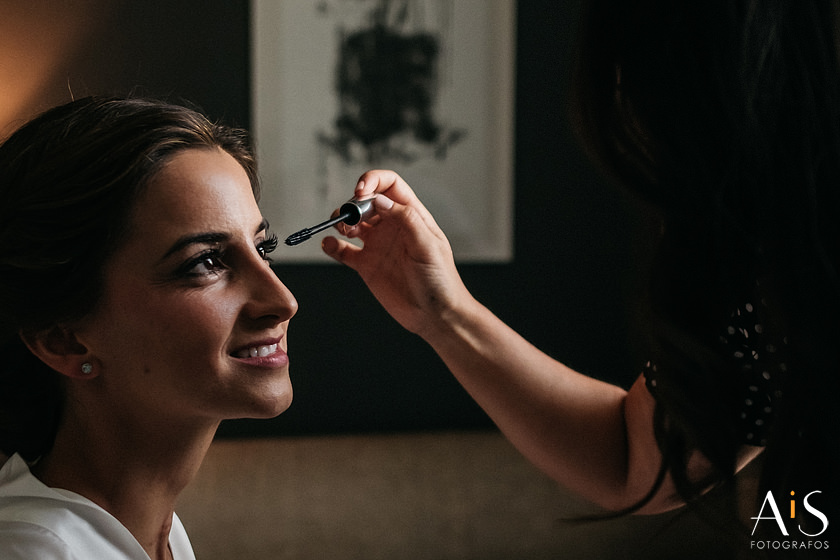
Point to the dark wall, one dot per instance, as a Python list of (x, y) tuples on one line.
[(353, 368)]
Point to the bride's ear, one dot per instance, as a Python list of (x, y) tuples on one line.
[(59, 348)]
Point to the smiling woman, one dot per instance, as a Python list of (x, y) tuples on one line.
[(137, 311)]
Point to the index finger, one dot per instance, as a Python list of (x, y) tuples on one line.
[(387, 182)]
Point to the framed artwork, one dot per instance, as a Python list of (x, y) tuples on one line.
[(423, 87)]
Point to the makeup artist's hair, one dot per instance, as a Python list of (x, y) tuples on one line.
[(724, 116), (68, 182)]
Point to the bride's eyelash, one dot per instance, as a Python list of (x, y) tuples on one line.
[(268, 246)]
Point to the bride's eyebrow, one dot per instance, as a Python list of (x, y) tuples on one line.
[(264, 226), (205, 238)]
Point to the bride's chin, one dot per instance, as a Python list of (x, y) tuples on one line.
[(272, 406)]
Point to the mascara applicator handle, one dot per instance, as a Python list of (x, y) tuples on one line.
[(357, 210)]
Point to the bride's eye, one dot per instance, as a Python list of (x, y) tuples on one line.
[(206, 264), (267, 247)]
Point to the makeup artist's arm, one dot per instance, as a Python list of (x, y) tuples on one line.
[(592, 437)]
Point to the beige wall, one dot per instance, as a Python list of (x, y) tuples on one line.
[(48, 55), (436, 496)]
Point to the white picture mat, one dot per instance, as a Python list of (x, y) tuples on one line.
[(295, 51)]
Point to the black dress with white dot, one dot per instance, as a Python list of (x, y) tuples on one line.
[(760, 357)]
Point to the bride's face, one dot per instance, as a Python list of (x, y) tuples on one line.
[(193, 321)]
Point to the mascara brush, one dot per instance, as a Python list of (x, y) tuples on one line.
[(351, 213)]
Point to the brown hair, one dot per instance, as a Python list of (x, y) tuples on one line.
[(724, 115)]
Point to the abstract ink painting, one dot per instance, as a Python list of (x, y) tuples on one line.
[(386, 85), (424, 87)]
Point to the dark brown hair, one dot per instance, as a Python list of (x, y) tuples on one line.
[(724, 115)]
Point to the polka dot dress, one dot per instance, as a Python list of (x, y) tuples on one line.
[(761, 360)]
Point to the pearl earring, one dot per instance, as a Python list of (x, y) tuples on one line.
[(87, 368)]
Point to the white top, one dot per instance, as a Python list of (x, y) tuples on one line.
[(37, 521)]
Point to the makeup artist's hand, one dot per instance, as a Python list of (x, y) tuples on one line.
[(406, 260)]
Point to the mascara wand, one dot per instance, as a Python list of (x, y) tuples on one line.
[(351, 213)]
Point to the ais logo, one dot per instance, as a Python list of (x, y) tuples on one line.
[(775, 515)]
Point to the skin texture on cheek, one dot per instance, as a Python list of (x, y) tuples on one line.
[(172, 347)]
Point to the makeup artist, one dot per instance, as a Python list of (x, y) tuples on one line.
[(137, 310), (724, 116)]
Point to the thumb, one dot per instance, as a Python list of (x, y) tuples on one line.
[(340, 250)]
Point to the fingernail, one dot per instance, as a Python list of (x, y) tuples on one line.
[(382, 202), (360, 186)]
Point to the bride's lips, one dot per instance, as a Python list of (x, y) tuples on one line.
[(262, 353)]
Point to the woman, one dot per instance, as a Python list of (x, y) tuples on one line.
[(137, 311), (723, 116)]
